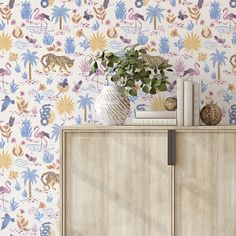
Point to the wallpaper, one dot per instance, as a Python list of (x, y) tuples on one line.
[(45, 82)]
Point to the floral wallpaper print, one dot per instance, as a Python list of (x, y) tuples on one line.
[(45, 84)]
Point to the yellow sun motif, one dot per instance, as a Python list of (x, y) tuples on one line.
[(65, 105), (5, 42), (5, 160), (98, 42), (192, 42), (157, 104), (145, 2)]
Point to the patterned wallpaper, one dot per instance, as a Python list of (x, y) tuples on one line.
[(40, 92)]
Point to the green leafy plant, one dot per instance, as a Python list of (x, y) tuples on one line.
[(131, 72)]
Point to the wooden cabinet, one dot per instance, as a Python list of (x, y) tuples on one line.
[(116, 182)]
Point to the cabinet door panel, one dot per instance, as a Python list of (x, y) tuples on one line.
[(116, 184), (205, 184)]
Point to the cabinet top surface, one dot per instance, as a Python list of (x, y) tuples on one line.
[(91, 128)]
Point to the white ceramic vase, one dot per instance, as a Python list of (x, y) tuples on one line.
[(112, 106)]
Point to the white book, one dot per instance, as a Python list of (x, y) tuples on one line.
[(180, 101), (196, 104), (154, 121), (188, 103), (155, 114)]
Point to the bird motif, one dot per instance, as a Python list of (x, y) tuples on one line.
[(99, 72), (42, 17), (125, 40), (6, 102), (219, 40), (6, 220), (5, 71), (192, 71), (30, 158), (41, 134), (5, 189), (231, 17), (30, 40), (136, 17)]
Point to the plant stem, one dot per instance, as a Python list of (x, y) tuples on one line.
[(85, 114), (60, 23), (30, 190), (219, 77), (30, 72)]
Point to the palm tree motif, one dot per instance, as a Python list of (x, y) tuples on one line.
[(84, 103), (59, 14), (30, 176), (154, 13), (31, 59), (219, 59)]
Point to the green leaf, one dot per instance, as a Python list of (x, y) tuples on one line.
[(158, 82), (133, 92), (94, 67), (121, 72), (162, 87), (153, 91), (145, 80), (145, 89), (130, 83)]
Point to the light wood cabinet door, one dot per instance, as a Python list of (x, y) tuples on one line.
[(116, 183), (205, 184)]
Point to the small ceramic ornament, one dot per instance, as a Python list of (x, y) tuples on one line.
[(170, 104), (211, 114)]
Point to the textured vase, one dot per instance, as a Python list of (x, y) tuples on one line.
[(112, 107)]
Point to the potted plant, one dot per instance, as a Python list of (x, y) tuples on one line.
[(134, 70)]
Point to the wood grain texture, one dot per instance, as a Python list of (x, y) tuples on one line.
[(116, 183), (180, 129), (205, 184)]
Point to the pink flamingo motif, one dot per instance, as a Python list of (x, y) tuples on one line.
[(229, 16), (5, 189), (99, 72), (42, 17), (136, 17), (193, 71), (4, 72), (42, 135)]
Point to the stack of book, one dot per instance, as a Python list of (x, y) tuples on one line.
[(188, 103), (155, 118)]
